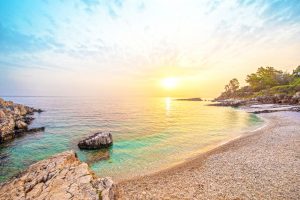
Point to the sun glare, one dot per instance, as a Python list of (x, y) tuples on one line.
[(169, 83)]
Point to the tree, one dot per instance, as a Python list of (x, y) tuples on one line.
[(232, 86), (296, 72), (266, 78)]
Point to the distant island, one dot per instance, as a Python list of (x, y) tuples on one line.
[(190, 99), (267, 85)]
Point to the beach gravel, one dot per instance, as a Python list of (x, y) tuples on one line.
[(264, 164)]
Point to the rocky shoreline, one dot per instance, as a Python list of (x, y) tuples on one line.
[(61, 176), (280, 99), (272, 100), (14, 120)]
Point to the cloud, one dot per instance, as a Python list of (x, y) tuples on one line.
[(91, 2), (111, 6), (138, 39), (12, 41)]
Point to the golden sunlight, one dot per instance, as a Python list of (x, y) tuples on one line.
[(169, 83)]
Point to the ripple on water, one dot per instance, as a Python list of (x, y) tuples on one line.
[(149, 134)]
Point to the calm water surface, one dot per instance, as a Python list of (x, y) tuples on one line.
[(149, 134)]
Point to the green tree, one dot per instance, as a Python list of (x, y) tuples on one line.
[(232, 86), (267, 77), (296, 72)]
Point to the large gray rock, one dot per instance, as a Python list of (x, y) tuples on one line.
[(62, 176), (96, 141)]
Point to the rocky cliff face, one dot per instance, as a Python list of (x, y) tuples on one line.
[(14, 119), (60, 177)]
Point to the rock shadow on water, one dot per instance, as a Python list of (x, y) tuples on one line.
[(93, 156), (4, 157), (19, 134)]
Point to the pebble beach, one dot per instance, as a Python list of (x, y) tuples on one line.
[(264, 164)]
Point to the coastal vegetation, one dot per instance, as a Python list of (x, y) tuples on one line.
[(267, 85)]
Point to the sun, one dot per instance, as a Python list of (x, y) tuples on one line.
[(169, 83)]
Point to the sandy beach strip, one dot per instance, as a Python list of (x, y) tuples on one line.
[(263, 164)]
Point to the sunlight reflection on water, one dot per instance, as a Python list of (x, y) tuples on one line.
[(149, 134)]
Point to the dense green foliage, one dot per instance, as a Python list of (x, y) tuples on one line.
[(266, 78), (265, 81)]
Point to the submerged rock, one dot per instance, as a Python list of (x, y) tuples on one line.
[(62, 176), (22, 132), (97, 155), (96, 141), (37, 110), (3, 158), (34, 130)]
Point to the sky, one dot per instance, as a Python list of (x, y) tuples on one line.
[(129, 47)]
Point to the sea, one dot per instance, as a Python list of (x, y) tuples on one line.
[(149, 134)]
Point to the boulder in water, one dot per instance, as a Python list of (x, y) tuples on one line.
[(96, 141)]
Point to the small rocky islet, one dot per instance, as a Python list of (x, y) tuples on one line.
[(15, 119)]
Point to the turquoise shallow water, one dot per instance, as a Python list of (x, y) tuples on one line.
[(149, 134)]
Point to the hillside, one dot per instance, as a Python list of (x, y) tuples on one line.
[(267, 85)]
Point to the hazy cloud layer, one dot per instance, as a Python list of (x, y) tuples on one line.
[(142, 40)]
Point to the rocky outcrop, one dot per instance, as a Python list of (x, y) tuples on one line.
[(269, 108), (279, 99), (62, 176), (14, 119), (254, 106), (267, 99), (96, 141), (230, 102)]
